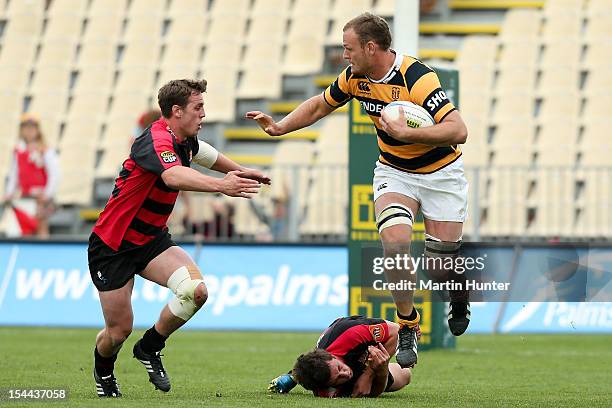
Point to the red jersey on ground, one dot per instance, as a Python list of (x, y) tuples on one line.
[(348, 339), (141, 203)]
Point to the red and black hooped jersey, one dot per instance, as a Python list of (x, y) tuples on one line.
[(348, 338), (141, 203)]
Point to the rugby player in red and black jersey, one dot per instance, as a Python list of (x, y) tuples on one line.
[(351, 359), (131, 236)]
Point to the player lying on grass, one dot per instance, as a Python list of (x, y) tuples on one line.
[(351, 359)]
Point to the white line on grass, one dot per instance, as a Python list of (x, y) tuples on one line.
[(10, 267)]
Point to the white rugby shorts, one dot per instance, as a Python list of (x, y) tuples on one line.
[(441, 194)]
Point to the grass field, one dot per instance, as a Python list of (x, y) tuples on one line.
[(232, 369)]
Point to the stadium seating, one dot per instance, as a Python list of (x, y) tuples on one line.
[(558, 90), (104, 60)]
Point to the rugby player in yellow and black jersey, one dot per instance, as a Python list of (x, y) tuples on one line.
[(418, 168)]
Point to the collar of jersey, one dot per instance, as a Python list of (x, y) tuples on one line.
[(184, 142), (392, 71)]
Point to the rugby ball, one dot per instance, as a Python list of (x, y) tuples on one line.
[(416, 116)]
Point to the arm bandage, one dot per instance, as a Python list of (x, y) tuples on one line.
[(207, 155)]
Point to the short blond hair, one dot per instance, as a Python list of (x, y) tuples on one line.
[(370, 27)]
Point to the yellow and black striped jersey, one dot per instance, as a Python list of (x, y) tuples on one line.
[(408, 80)]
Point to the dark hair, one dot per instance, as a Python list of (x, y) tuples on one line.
[(370, 27), (177, 92), (311, 369)]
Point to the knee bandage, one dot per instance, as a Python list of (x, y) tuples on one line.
[(183, 283), (394, 214), (436, 248)]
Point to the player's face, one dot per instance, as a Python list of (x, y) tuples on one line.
[(340, 373), (354, 52), (192, 115)]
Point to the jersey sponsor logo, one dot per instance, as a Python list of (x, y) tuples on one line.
[(372, 108), (363, 86), (168, 156), (435, 100), (395, 93), (377, 331)]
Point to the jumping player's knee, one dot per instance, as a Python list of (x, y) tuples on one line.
[(394, 214), (190, 292), (437, 248)]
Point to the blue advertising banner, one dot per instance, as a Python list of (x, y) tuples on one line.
[(259, 287), (541, 317), (250, 287)]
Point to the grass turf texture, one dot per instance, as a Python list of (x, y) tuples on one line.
[(232, 369)]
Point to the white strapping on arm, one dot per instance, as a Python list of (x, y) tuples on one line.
[(207, 155)]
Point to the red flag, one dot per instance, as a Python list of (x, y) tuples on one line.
[(27, 222)]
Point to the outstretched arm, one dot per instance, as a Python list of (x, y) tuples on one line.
[(307, 113), (233, 184), (211, 158), (225, 165)]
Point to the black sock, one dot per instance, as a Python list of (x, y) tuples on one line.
[(152, 341), (413, 315), (104, 365)]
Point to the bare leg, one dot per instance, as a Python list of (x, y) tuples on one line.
[(118, 318), (396, 241), (444, 230), (147, 349)]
